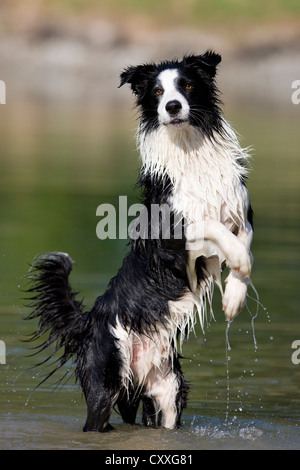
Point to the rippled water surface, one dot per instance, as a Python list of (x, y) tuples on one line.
[(56, 168)]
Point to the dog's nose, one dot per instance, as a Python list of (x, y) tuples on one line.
[(173, 107)]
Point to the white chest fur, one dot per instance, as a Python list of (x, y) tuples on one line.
[(206, 173)]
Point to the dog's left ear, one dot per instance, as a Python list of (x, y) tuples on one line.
[(137, 76), (207, 62)]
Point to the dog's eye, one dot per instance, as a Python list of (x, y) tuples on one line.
[(189, 86), (158, 92)]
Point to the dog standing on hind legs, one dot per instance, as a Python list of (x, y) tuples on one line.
[(125, 347)]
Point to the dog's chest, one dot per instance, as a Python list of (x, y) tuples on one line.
[(202, 194), (206, 175), (210, 188)]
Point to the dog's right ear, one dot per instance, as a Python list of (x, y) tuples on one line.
[(137, 76)]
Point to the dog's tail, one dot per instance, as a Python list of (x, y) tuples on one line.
[(54, 303)]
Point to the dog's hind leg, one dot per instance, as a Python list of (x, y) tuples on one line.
[(152, 415), (128, 403), (99, 408), (164, 397), (159, 401), (98, 371)]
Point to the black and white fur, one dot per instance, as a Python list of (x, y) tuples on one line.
[(125, 348)]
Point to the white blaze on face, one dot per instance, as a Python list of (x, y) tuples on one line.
[(167, 80)]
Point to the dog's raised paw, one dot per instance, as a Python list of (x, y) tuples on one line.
[(234, 296), (238, 258)]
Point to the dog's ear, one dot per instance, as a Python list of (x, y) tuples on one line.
[(137, 76), (207, 62)]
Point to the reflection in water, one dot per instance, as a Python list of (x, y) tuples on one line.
[(56, 169)]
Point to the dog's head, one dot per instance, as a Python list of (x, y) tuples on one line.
[(177, 93)]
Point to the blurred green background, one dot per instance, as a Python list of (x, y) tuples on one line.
[(67, 145)]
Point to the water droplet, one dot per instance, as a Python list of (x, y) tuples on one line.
[(227, 369)]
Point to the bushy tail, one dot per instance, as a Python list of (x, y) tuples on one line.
[(54, 303)]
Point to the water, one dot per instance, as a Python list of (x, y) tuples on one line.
[(56, 167), (228, 349)]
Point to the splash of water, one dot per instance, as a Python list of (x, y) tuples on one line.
[(254, 316), (227, 343)]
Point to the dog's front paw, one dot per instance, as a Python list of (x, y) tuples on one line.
[(238, 258), (234, 296)]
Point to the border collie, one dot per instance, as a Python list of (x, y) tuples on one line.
[(126, 347)]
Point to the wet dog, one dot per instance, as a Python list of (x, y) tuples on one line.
[(126, 347)]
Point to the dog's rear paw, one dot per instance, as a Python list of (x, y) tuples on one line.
[(234, 296), (107, 428)]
